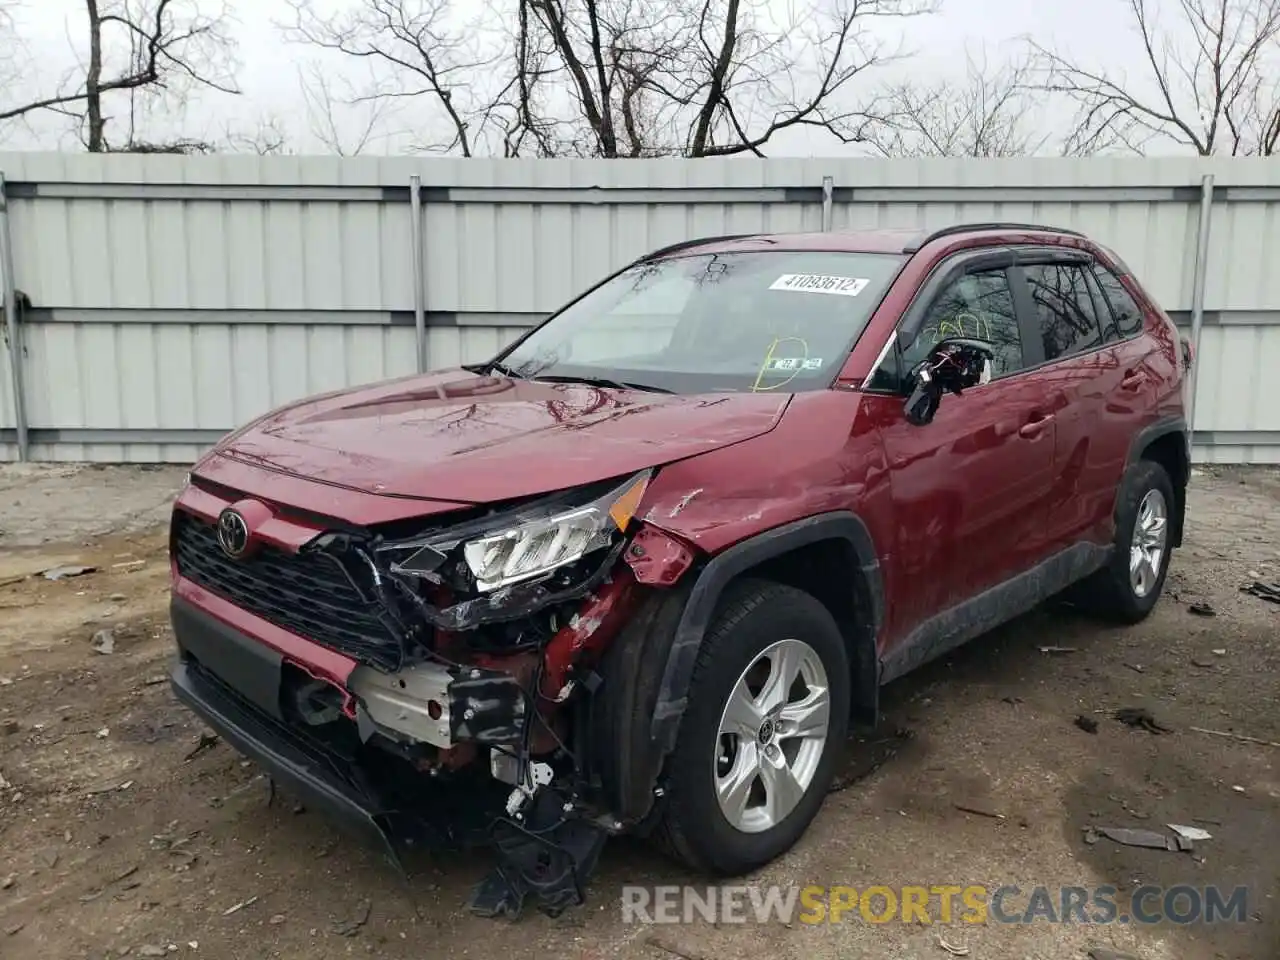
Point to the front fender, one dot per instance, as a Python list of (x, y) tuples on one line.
[(733, 562)]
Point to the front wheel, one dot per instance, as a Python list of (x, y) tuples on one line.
[(768, 712)]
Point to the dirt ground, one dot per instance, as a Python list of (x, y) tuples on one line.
[(115, 840)]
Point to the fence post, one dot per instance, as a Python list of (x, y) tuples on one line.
[(1198, 283), (828, 189), (13, 335), (419, 293)]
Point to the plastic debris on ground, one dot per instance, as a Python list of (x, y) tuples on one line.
[(65, 573), (1263, 591), (1182, 840), (104, 642), (1140, 719)]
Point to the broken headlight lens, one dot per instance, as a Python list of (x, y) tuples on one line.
[(534, 545), (540, 546)]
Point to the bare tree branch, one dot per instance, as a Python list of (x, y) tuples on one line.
[(615, 63), (415, 42), (990, 113), (181, 147), (1208, 81), (271, 138), (617, 78), (528, 71), (768, 77), (11, 63), (720, 69), (168, 45), (346, 135)]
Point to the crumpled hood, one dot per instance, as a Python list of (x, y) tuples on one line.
[(455, 435)]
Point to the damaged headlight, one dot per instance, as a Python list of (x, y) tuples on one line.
[(534, 546)]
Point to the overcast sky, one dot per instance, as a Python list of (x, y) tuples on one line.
[(1096, 32)]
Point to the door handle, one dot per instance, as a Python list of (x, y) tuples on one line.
[(1033, 428), (1132, 379)]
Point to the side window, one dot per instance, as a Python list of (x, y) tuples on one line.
[(1063, 309), (1128, 318), (978, 305), (1110, 334)]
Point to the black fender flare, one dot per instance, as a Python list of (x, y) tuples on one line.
[(1148, 435), (742, 556), (1154, 431)]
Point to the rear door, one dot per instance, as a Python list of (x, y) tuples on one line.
[(1093, 374), (970, 488)]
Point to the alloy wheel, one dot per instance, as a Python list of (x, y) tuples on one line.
[(1150, 540), (772, 735)]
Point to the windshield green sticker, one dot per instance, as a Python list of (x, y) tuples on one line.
[(817, 283), (788, 364)]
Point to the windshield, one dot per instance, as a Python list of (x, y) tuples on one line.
[(770, 320)]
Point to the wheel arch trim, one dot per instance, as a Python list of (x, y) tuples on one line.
[(738, 559), (1147, 436)]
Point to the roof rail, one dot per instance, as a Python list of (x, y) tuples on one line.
[(686, 244), (955, 228)]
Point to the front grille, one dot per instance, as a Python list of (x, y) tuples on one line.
[(309, 595)]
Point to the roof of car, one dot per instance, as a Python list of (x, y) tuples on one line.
[(900, 240)]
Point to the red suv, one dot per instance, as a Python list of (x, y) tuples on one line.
[(642, 570)]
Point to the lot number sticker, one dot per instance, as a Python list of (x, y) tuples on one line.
[(784, 364), (816, 283)]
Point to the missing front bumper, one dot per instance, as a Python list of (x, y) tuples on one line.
[(291, 760), (545, 852), (548, 859), (237, 685), (441, 706)]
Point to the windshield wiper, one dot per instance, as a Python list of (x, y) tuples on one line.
[(485, 368), (602, 382)]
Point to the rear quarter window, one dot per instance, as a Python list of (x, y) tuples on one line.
[(1125, 312)]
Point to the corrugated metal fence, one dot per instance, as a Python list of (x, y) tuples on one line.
[(160, 301)]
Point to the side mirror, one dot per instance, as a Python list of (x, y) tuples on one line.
[(953, 365)]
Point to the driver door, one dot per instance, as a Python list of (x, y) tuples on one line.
[(970, 489)]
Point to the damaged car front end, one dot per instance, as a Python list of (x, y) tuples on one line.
[(430, 681)]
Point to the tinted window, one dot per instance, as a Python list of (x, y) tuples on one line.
[(1127, 316), (978, 305), (1063, 309), (1102, 310), (781, 320)]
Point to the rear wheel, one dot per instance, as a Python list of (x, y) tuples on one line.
[(768, 711), (1127, 589)]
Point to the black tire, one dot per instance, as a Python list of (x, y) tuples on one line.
[(753, 615), (1109, 594)]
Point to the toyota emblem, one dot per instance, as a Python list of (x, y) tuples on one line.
[(233, 533)]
